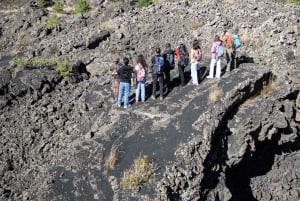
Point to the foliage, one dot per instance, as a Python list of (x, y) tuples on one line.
[(115, 1), (41, 3), (293, 1), (215, 94), (63, 67), (58, 6), (53, 21), (144, 3), (82, 6), (112, 157), (139, 173)]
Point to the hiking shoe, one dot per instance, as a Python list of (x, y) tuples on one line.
[(161, 98), (153, 97), (125, 107), (209, 77), (119, 105)]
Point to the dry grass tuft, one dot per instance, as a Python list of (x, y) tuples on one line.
[(269, 88), (112, 158), (139, 173), (196, 23), (107, 25), (214, 95)]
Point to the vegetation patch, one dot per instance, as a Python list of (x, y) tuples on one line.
[(196, 23), (41, 3), (112, 158), (293, 1), (58, 6), (63, 67), (144, 3), (139, 173), (53, 21), (214, 95), (81, 6)]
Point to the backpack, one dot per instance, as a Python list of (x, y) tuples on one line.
[(236, 41), (184, 57), (140, 73), (158, 67), (169, 60), (220, 50), (198, 54)]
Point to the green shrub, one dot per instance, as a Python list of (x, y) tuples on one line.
[(58, 6), (41, 3), (53, 21), (63, 67), (144, 3), (293, 1), (82, 6)]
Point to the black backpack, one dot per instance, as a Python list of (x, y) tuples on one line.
[(184, 56), (169, 59)]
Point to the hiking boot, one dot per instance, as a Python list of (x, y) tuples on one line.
[(125, 107), (209, 77), (153, 97), (161, 98)]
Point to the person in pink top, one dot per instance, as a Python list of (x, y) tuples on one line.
[(217, 52)]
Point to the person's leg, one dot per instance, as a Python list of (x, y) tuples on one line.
[(218, 70), (234, 59), (212, 68), (137, 91), (194, 73), (154, 82), (126, 94), (161, 86), (143, 91), (229, 59), (121, 91), (117, 85), (168, 78), (181, 74)]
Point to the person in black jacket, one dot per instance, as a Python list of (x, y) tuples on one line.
[(158, 58), (125, 75), (169, 60)]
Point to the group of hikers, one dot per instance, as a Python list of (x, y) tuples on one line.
[(164, 62)]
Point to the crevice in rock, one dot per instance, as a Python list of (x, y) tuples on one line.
[(238, 177)]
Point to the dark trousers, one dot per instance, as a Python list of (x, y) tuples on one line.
[(168, 78), (181, 74), (160, 79)]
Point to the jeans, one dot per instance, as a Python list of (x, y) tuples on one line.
[(194, 72), (181, 74), (212, 68), (140, 91), (160, 79), (124, 90)]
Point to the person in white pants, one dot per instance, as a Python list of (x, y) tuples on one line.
[(195, 58), (217, 52)]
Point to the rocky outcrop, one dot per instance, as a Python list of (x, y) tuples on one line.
[(56, 132)]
